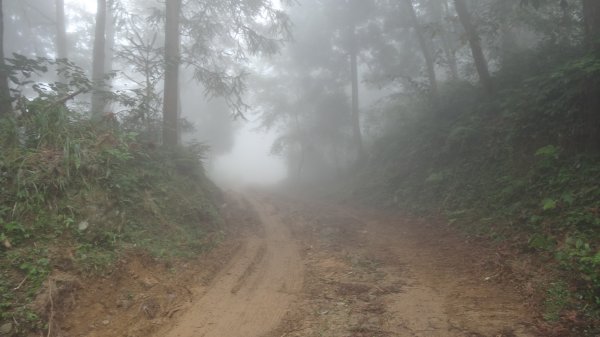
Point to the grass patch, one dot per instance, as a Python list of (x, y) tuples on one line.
[(78, 201), (557, 298)]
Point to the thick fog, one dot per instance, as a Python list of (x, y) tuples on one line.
[(451, 144), (295, 90), (250, 162)]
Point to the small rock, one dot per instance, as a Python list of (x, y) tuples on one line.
[(373, 321), (6, 328), (151, 308), (83, 225), (124, 303), (106, 322), (149, 282)]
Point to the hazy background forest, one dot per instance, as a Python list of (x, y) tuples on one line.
[(116, 116)]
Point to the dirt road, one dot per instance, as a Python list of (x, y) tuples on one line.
[(322, 270), (252, 293)]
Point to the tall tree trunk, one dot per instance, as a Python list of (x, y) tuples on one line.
[(301, 142), (440, 12), (110, 35), (61, 31), (110, 43), (358, 143), (591, 20), (475, 43), (171, 90), (425, 50), (5, 100), (98, 99), (61, 35), (508, 38)]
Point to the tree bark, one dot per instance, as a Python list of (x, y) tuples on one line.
[(591, 21), (110, 36), (109, 44), (5, 99), (508, 38), (440, 12), (475, 43), (98, 98), (171, 86), (61, 31), (425, 50), (357, 135)]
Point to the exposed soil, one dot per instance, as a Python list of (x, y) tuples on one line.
[(308, 269)]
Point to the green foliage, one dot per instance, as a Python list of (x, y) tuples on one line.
[(557, 297), (549, 151), (529, 174), (542, 242), (95, 189), (578, 255), (548, 204), (94, 259)]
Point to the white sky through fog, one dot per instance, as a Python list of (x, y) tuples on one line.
[(249, 162), (89, 5)]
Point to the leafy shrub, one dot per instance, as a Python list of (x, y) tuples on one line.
[(93, 186), (524, 161)]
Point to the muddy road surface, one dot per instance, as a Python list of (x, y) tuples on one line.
[(323, 270), (254, 290), (312, 269)]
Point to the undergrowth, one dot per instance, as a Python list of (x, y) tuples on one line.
[(77, 193), (520, 167)]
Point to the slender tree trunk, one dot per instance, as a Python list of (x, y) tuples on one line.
[(61, 35), (109, 44), (508, 38), (425, 50), (440, 12), (36, 46), (171, 90), (110, 35), (591, 20), (98, 99), (475, 43), (302, 147), (355, 106), (61, 31), (5, 100)]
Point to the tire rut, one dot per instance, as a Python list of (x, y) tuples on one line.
[(252, 293)]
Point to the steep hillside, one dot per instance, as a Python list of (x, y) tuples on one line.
[(77, 196), (521, 167)]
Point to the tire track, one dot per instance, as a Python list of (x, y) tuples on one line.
[(252, 293)]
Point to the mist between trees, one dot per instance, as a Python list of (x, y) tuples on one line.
[(301, 67), (473, 109)]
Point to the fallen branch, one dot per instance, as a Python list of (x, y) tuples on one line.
[(20, 284), (63, 100), (51, 319), (171, 312)]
